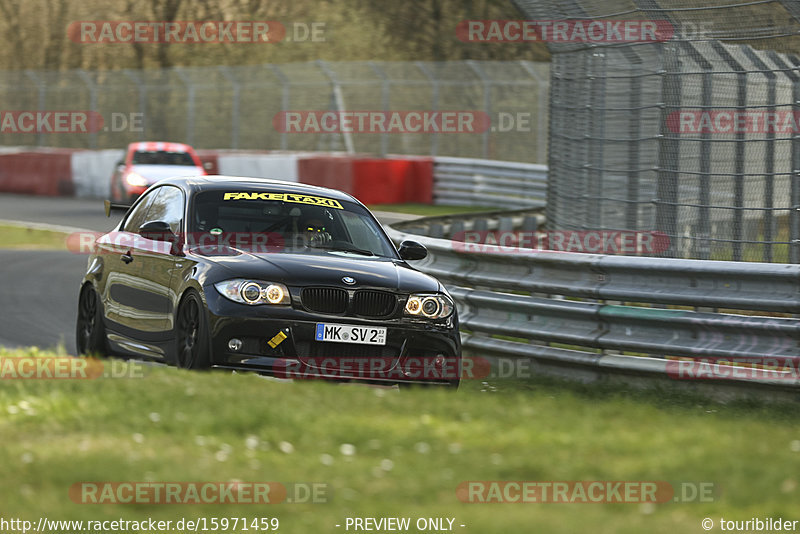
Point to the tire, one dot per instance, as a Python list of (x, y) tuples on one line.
[(90, 332), (192, 344)]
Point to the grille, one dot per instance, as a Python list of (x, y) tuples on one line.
[(325, 299), (374, 303)]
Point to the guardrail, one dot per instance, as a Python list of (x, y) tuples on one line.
[(592, 315), (483, 182)]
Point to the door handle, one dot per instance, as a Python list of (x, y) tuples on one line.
[(127, 258)]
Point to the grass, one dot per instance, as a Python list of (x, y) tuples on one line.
[(427, 210), (389, 453), (20, 237)]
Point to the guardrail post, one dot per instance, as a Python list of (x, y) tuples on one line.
[(481, 225), (436, 230), (530, 224), (456, 228)]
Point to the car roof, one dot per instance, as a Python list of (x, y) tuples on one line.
[(158, 146), (196, 184)]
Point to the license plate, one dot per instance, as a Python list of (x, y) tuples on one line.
[(346, 333)]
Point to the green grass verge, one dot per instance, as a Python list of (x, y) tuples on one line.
[(410, 449), (19, 237), (427, 210)]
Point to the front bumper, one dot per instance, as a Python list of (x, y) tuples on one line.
[(279, 342)]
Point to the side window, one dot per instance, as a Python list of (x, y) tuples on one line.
[(136, 218), (168, 207)]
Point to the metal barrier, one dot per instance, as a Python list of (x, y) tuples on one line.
[(618, 315), (482, 182)]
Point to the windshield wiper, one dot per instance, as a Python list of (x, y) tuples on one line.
[(354, 250)]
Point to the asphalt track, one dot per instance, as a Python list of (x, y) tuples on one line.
[(38, 288)]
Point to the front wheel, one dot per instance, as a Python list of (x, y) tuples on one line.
[(90, 333), (192, 349)]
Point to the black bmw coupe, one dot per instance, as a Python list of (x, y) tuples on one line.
[(285, 279)]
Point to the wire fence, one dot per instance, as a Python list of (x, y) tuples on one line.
[(694, 134), (240, 107)]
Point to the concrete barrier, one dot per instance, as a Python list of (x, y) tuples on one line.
[(92, 170), (372, 180), (281, 166), (87, 173), (46, 172)]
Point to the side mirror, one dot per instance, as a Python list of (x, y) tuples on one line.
[(411, 250), (157, 231)]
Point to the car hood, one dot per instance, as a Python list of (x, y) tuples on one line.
[(325, 269), (154, 173)]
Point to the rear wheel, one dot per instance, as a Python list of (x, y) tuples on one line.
[(90, 333), (192, 349)]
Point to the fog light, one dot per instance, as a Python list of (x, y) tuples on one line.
[(439, 361), (235, 344)]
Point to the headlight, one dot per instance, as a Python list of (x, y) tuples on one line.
[(435, 306), (253, 292), (136, 180)]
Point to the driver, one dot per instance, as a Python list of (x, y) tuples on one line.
[(206, 216), (315, 233)]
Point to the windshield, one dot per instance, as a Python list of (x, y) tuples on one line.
[(300, 223), (162, 157)]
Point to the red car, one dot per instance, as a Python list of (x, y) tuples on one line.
[(148, 162)]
